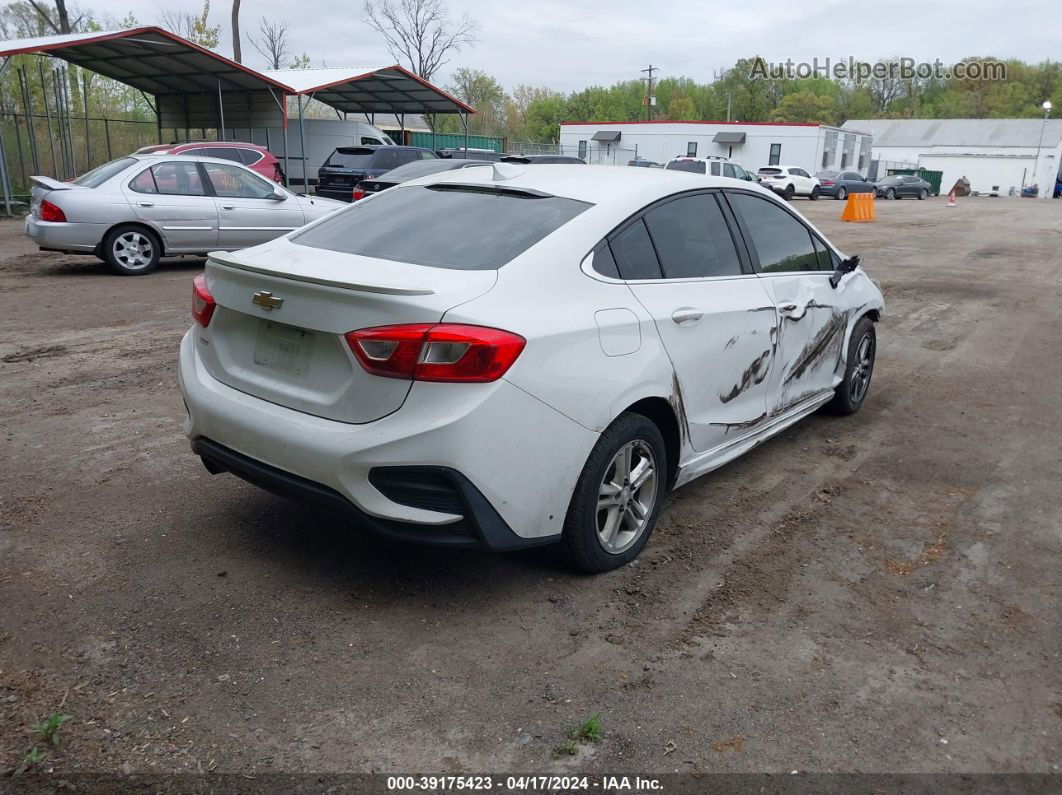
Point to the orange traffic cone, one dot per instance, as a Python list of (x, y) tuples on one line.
[(951, 197)]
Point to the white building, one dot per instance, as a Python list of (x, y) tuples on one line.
[(996, 155), (811, 146)]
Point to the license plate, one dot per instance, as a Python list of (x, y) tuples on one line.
[(283, 348)]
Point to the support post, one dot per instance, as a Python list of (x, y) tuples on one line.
[(27, 107), (5, 183), (302, 147), (107, 134), (221, 112), (48, 117), (464, 122), (432, 117), (84, 102), (402, 127)]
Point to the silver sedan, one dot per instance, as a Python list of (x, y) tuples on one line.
[(133, 210)]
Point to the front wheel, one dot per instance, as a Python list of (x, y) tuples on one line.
[(862, 349), (814, 193), (618, 496), (842, 194), (131, 250)]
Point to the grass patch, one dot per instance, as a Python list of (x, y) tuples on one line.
[(589, 731), (48, 729)]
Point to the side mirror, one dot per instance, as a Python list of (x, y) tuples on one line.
[(279, 195), (843, 267)]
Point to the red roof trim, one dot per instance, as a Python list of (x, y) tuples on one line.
[(746, 123)]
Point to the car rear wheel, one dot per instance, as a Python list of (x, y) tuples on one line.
[(788, 193), (618, 496), (814, 193), (890, 194), (852, 391), (842, 194), (923, 194), (131, 250)]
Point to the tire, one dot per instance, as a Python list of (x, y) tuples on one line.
[(890, 194), (923, 195), (788, 193), (596, 538), (859, 369), (842, 194), (131, 250), (814, 193)]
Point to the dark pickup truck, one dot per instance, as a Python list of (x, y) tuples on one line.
[(349, 165)]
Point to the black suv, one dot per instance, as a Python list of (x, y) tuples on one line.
[(349, 165), (544, 159)]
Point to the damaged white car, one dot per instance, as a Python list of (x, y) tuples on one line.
[(506, 356)]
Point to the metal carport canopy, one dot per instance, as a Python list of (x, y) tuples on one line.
[(172, 69), (360, 89)]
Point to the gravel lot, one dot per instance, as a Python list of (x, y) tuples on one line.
[(874, 593)]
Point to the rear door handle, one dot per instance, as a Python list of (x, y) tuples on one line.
[(145, 204), (687, 315), (787, 309), (228, 207)]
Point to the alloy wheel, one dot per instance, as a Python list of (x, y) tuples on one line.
[(864, 366), (627, 496), (134, 250)]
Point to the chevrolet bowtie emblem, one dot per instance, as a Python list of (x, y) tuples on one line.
[(266, 299)]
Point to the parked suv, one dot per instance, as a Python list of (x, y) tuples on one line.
[(349, 165), (255, 157), (789, 181), (713, 166)]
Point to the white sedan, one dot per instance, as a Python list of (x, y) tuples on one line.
[(506, 356)]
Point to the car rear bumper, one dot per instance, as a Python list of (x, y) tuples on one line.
[(343, 194), (63, 236), (828, 190), (477, 465)]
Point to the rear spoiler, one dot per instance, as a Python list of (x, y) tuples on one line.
[(53, 184), (384, 289)]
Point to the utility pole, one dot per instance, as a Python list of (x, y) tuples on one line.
[(649, 91)]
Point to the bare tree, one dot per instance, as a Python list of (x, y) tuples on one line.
[(193, 27), (420, 32), (273, 44), (237, 50), (61, 23)]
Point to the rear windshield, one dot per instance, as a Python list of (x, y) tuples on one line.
[(693, 166), (456, 227), (420, 168), (770, 171), (349, 158), (101, 174), (826, 174)]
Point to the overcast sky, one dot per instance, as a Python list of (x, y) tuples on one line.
[(576, 43)]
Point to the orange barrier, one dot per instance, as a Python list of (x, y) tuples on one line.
[(860, 208)]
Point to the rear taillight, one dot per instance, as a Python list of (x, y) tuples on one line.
[(827, 182), (49, 212), (359, 193), (202, 301), (447, 352)]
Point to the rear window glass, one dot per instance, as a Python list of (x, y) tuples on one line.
[(461, 228), (770, 171), (349, 158), (693, 166), (101, 174)]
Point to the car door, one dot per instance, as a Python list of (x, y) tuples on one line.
[(249, 208), (713, 315), (172, 197), (795, 268), (854, 183)]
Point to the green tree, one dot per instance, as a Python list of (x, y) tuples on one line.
[(806, 107)]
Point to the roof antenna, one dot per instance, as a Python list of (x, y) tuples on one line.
[(503, 171)]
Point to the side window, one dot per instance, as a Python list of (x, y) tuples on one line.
[(715, 168), (175, 179), (605, 263), (728, 171), (369, 141), (427, 156), (782, 243), (634, 253), (224, 153), (250, 156), (827, 260), (691, 149), (237, 183), (692, 238), (776, 155), (196, 153)]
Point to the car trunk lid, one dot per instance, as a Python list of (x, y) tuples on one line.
[(282, 311)]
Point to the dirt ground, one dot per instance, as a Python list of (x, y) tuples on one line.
[(874, 593)]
